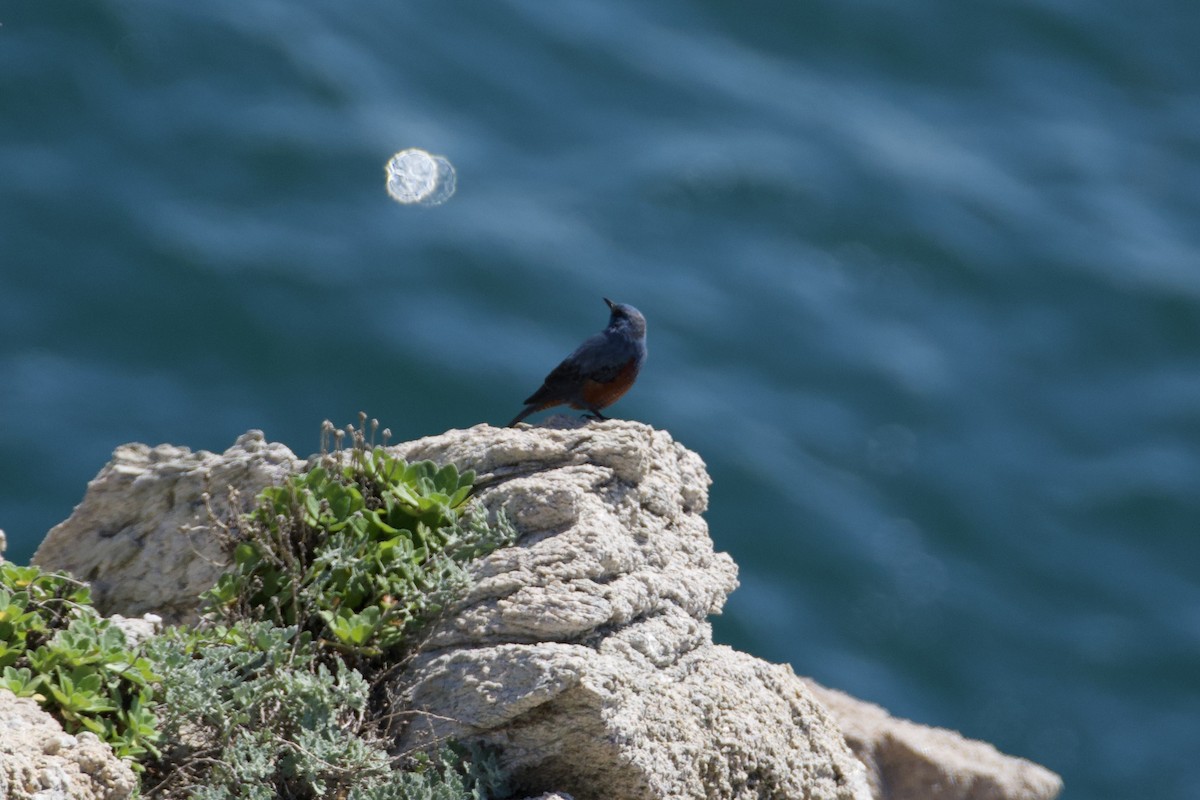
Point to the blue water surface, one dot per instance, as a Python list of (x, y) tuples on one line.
[(922, 282)]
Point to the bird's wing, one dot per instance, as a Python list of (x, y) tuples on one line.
[(560, 385), (600, 358)]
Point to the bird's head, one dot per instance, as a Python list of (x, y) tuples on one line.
[(626, 316)]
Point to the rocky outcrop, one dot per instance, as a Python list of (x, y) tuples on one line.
[(583, 652), (904, 759), (143, 535), (38, 761)]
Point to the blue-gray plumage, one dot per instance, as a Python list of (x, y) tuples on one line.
[(599, 371)]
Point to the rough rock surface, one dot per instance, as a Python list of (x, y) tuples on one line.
[(142, 537), (583, 651), (138, 629), (39, 761), (904, 759)]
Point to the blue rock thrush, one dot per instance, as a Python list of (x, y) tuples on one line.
[(599, 371)]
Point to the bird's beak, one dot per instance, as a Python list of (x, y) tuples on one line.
[(610, 303)]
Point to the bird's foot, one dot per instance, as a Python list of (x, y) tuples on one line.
[(596, 415)]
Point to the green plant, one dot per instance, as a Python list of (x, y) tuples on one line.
[(451, 773), (55, 648), (279, 691), (359, 550), (250, 713)]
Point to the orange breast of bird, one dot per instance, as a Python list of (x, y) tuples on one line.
[(602, 395)]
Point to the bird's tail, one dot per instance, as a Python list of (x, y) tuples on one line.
[(529, 409)]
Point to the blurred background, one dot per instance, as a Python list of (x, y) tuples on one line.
[(922, 282)]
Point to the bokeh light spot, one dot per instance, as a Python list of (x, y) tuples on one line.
[(416, 177)]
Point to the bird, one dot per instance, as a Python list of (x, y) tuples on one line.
[(599, 371)]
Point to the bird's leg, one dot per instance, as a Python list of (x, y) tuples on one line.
[(595, 414)]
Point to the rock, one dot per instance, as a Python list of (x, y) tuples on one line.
[(39, 761), (142, 535), (904, 759), (582, 652), (137, 629), (612, 534), (607, 723)]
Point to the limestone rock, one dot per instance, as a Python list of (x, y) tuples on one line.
[(583, 651), (612, 533), (137, 629), (38, 761), (141, 536), (904, 760)]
